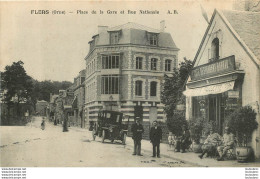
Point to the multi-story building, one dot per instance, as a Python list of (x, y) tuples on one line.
[(41, 107), (79, 98), (125, 68)]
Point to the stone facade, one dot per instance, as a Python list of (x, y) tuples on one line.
[(148, 107), (79, 99)]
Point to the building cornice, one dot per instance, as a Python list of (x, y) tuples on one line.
[(130, 45)]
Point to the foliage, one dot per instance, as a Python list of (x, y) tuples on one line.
[(22, 87), (42, 90), (196, 128), (175, 123), (242, 123), (199, 127), (17, 83), (174, 86), (171, 95), (208, 125)]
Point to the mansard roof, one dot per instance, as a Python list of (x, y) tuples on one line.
[(135, 34)]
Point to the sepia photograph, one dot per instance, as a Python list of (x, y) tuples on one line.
[(130, 84)]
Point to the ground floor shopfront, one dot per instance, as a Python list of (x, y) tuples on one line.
[(215, 107), (215, 89), (147, 111)]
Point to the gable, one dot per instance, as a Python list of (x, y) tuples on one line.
[(230, 42)]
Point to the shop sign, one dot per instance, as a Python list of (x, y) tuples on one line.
[(210, 69), (233, 94)]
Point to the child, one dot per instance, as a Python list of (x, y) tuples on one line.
[(171, 140), (43, 124)]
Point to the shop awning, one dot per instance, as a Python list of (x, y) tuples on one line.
[(212, 89)]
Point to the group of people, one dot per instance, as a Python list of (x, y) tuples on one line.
[(215, 143), (212, 145), (155, 137)]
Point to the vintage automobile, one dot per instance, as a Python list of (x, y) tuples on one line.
[(110, 125)]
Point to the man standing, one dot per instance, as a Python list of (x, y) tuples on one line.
[(156, 137), (228, 143), (138, 130)]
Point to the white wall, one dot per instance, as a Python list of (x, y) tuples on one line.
[(229, 45)]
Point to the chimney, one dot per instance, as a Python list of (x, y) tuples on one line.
[(162, 25), (102, 28)]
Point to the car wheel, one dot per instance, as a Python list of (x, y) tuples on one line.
[(124, 139), (103, 136), (93, 134)]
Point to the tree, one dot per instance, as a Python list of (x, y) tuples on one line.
[(17, 83), (172, 95), (42, 89)]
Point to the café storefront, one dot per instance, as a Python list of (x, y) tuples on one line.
[(214, 90)]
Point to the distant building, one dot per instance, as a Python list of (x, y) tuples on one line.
[(51, 106), (79, 99), (125, 68), (226, 74), (41, 107)]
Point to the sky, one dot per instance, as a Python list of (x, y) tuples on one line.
[(53, 47)]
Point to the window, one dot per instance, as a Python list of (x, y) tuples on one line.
[(114, 37), (110, 61), (138, 88), (82, 79), (215, 49), (168, 65), (153, 88), (153, 39), (153, 63), (110, 84), (139, 62)]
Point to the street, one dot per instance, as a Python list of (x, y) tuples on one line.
[(29, 146)]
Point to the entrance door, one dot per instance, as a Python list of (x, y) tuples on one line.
[(216, 113), (153, 114), (138, 112)]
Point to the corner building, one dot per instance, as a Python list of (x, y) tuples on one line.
[(125, 68)]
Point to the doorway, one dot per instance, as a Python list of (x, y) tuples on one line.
[(216, 112), (138, 112), (153, 114)]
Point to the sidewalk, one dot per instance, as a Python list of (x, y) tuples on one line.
[(190, 157)]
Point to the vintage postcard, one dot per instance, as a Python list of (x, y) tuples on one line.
[(130, 84)]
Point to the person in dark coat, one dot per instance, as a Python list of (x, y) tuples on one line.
[(138, 130), (156, 137), (184, 141)]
